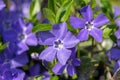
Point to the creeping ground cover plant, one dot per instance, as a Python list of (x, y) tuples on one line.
[(59, 40)]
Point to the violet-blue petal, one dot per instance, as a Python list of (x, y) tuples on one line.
[(118, 42), (117, 33), (96, 34), (22, 47), (70, 40), (19, 60), (29, 28), (48, 54), (60, 30), (83, 35), (70, 70), (87, 13), (2, 5), (45, 38), (34, 70), (117, 22), (25, 9), (77, 22), (100, 20), (113, 54), (73, 53), (117, 66), (63, 55), (116, 11), (31, 40), (58, 68), (76, 62)]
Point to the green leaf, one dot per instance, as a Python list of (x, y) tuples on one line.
[(2, 47), (52, 5), (38, 77), (49, 15), (54, 78), (41, 27), (64, 11), (109, 30), (34, 8), (93, 4)]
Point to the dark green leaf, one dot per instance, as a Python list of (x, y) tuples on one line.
[(49, 15), (64, 11), (52, 5), (42, 27), (54, 78), (34, 7), (2, 47), (109, 30)]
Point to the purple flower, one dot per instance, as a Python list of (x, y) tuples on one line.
[(2, 5), (113, 54), (25, 37), (70, 66), (117, 66), (88, 24), (8, 73), (59, 40), (117, 22)]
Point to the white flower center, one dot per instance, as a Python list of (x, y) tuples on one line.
[(58, 44), (89, 25)]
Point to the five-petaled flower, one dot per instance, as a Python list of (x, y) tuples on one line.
[(88, 24), (59, 41)]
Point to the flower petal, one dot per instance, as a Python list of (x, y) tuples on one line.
[(22, 47), (87, 13), (83, 35), (77, 22), (117, 66), (19, 60), (63, 55), (97, 34), (48, 54), (117, 34), (117, 22), (76, 62), (58, 68), (45, 38), (31, 40), (100, 20), (2, 5), (71, 70), (34, 70), (113, 54), (60, 30), (70, 40), (118, 42), (116, 11)]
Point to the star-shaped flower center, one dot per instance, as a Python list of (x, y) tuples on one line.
[(89, 25), (22, 36), (58, 44)]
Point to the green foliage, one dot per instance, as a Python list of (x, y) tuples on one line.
[(35, 7), (3, 46), (54, 78), (109, 30), (41, 27), (52, 5), (48, 13), (38, 77), (64, 11)]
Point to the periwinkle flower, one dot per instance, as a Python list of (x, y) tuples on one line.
[(117, 65), (70, 65), (25, 37), (8, 73), (2, 4), (88, 24), (59, 40), (117, 22), (113, 54)]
